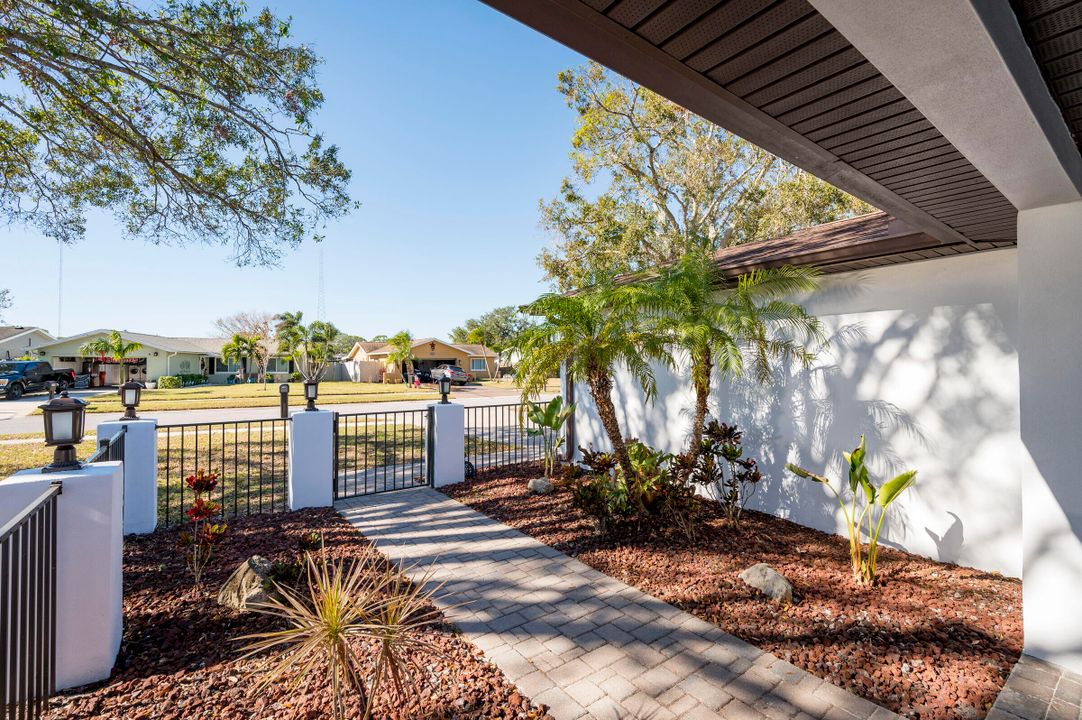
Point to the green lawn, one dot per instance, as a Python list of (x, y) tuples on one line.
[(206, 397), (34, 454)]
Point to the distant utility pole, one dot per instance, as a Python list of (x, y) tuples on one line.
[(321, 298), (60, 290)]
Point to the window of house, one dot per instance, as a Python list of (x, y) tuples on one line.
[(478, 365), (221, 366), (277, 365)]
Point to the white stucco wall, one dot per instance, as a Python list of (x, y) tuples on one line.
[(923, 361)]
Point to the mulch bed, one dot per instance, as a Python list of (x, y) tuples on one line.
[(933, 641), (180, 659)]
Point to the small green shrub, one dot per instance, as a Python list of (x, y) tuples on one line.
[(296, 377), (549, 420), (721, 466), (597, 460), (876, 502), (170, 382)]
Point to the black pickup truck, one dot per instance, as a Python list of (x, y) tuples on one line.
[(22, 376)]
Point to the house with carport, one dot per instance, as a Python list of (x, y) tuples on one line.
[(159, 355), (370, 361)]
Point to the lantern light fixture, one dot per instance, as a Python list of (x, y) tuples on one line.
[(445, 389), (311, 392), (64, 417), (130, 393)]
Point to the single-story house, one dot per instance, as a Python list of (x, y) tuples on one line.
[(159, 355), (369, 361), (18, 341)]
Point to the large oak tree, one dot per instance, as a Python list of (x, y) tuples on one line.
[(653, 181), (190, 121)]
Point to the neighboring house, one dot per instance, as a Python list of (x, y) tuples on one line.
[(160, 355), (368, 361), (17, 341)]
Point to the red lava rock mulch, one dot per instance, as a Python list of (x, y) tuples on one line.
[(180, 659), (934, 641)]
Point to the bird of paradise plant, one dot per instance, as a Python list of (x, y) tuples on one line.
[(876, 503)]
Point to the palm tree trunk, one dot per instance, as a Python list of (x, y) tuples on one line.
[(702, 367), (601, 389)]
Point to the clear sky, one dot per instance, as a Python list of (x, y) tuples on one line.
[(448, 115)]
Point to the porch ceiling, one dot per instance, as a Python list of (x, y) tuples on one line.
[(778, 74)]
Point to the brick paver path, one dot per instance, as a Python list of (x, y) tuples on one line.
[(1039, 690), (579, 641)]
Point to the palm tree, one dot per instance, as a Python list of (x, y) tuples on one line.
[(729, 330), (241, 348), (590, 333), (478, 336), (311, 347), (113, 346), (401, 352)]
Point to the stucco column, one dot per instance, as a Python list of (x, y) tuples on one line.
[(311, 459), (447, 453), (140, 472), (1050, 383), (89, 564)]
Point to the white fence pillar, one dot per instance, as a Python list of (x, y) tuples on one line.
[(1050, 375), (140, 472), (311, 459), (89, 564), (447, 454)]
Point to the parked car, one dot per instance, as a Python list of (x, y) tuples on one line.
[(18, 377), (458, 375), (423, 374)]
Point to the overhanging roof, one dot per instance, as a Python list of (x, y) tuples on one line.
[(778, 74), (860, 243)]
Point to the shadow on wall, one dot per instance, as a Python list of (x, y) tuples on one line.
[(922, 362), (931, 388)]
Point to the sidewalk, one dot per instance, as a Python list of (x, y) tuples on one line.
[(579, 641)]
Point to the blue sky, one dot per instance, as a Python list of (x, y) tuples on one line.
[(448, 115)]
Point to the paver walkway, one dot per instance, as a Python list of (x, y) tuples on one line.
[(1039, 690), (579, 641)]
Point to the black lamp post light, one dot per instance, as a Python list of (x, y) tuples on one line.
[(129, 398), (311, 392), (64, 418), (445, 389), (283, 394)]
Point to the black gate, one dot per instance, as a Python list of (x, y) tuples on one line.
[(380, 451), (28, 608)]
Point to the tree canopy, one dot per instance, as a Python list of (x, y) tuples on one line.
[(190, 121), (309, 346), (673, 182), (495, 329), (5, 301)]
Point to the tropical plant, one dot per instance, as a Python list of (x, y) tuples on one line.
[(721, 450), (198, 542), (750, 324), (343, 604), (401, 352), (548, 421), (877, 500), (309, 346), (589, 334), (114, 346), (241, 349)]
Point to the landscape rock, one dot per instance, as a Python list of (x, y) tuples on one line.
[(245, 585), (539, 486), (769, 582)]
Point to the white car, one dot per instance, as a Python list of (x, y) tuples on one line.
[(458, 375)]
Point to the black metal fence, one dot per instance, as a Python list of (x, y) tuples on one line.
[(249, 456), (379, 451), (28, 608), (110, 449), (498, 435)]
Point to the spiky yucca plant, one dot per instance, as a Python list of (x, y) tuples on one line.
[(369, 600)]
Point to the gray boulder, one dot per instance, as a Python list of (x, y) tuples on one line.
[(539, 486), (245, 585), (769, 582)]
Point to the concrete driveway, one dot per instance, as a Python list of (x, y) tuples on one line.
[(20, 421), (19, 410)]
